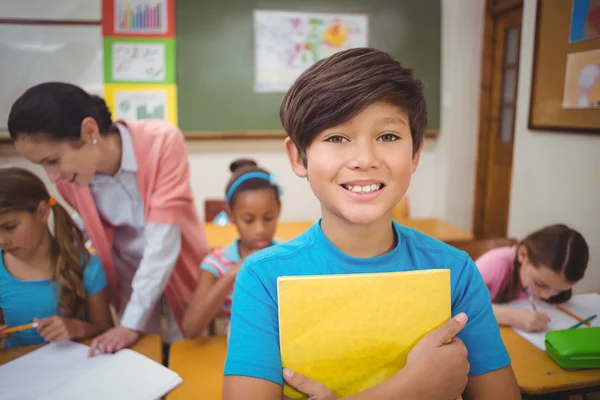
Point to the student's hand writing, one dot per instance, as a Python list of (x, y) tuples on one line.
[(114, 340), (530, 320), (57, 328), (449, 361), (313, 389)]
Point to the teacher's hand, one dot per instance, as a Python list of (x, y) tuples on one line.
[(313, 389), (114, 340)]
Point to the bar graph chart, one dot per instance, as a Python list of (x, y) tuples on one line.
[(141, 16)]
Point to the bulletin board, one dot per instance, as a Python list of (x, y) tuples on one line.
[(565, 92)]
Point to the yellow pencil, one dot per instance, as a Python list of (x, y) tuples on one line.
[(21, 328)]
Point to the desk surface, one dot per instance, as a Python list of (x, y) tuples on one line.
[(148, 345), (219, 236), (200, 364), (538, 374)]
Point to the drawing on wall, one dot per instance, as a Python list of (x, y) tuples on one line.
[(287, 43), (143, 62), (585, 20), (582, 80), (141, 16)]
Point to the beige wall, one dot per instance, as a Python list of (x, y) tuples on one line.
[(556, 176), (454, 174)]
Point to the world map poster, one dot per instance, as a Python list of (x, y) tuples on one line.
[(287, 43)]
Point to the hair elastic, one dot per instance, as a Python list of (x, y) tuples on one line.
[(243, 178), (51, 201)]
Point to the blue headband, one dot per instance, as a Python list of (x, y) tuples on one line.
[(245, 177)]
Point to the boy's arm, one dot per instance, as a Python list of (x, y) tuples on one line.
[(490, 362), (500, 384)]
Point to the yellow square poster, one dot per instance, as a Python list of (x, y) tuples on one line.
[(142, 101)]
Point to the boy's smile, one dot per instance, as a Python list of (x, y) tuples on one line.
[(360, 169)]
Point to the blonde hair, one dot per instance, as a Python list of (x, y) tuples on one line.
[(22, 190)]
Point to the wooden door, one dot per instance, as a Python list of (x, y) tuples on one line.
[(497, 118)]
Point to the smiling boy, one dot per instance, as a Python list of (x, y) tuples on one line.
[(355, 123)]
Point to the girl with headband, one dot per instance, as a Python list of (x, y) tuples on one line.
[(253, 206)]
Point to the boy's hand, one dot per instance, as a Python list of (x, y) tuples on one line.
[(530, 320), (437, 370), (56, 328), (313, 389)]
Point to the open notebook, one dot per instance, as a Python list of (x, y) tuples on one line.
[(63, 371), (580, 306)]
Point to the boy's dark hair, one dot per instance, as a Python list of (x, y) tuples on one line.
[(335, 89), (57, 109), (242, 167)]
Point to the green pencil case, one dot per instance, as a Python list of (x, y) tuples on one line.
[(577, 348)]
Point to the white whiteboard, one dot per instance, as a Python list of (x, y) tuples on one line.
[(32, 54), (51, 9)]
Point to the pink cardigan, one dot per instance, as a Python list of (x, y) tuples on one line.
[(163, 180)]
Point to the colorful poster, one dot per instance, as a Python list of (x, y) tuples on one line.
[(585, 20), (287, 43), (137, 102), (582, 80), (139, 60), (153, 18)]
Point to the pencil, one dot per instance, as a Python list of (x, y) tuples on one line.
[(530, 297), (21, 328), (561, 308), (585, 321)]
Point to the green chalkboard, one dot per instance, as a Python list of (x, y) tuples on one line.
[(215, 55)]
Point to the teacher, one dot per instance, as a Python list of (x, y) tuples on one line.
[(129, 182)]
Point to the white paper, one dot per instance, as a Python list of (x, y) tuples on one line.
[(583, 306), (63, 371), (287, 43), (140, 62)]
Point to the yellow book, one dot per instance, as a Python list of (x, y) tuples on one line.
[(352, 332)]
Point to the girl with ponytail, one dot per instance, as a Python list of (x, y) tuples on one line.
[(48, 278), (129, 181)]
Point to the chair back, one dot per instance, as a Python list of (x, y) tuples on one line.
[(212, 208)]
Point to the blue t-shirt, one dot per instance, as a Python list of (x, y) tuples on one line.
[(21, 301), (253, 348)]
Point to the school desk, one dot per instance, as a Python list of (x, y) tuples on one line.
[(537, 375), (149, 345), (219, 236), (200, 364)]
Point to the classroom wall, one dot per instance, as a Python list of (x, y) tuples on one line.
[(455, 154), (556, 176)]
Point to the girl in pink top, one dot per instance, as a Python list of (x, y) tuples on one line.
[(546, 264), (129, 182)]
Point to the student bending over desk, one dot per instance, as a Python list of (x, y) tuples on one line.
[(129, 182), (545, 265), (48, 277), (356, 122), (253, 206)]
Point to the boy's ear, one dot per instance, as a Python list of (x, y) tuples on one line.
[(296, 161), (417, 158)]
